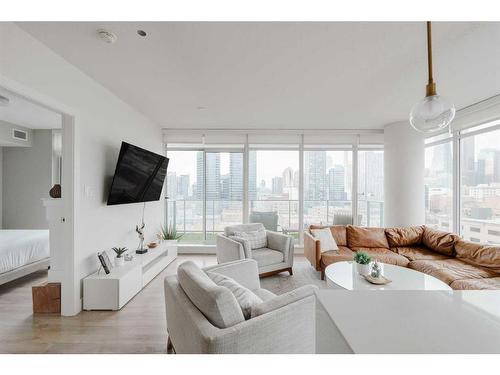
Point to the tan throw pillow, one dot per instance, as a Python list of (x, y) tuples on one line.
[(326, 240), (245, 297)]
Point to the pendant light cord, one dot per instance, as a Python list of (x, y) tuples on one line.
[(429, 51), (431, 86)]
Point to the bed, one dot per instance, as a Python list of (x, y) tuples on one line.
[(22, 252)]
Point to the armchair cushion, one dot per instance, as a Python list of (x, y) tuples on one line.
[(283, 300), (245, 243), (229, 230), (256, 239), (245, 297), (266, 256), (217, 303)]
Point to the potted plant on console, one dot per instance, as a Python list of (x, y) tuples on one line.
[(169, 236), (362, 261), (119, 255)]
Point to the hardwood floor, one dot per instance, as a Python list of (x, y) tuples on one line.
[(139, 327)]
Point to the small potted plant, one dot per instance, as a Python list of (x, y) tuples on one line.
[(362, 261), (119, 260), (169, 234)]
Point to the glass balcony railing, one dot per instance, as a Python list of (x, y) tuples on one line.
[(280, 215)]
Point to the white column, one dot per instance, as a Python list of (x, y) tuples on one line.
[(404, 162)]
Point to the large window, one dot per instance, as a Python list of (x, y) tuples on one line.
[(480, 186), (439, 186), (327, 187), (185, 194), (371, 188), (273, 185), (220, 179)]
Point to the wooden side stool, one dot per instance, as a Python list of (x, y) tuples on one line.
[(47, 298)]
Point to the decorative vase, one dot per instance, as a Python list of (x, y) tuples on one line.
[(55, 192), (363, 269), (119, 261)]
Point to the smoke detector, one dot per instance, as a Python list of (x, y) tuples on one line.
[(107, 36), (4, 101)]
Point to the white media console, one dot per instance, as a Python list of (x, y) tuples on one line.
[(114, 290)]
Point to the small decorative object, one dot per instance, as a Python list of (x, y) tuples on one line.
[(152, 245), (382, 280), (105, 262), (376, 270), (55, 192), (119, 258), (140, 233), (128, 257), (362, 261), (168, 233)]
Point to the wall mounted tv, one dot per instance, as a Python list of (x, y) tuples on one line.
[(139, 176)]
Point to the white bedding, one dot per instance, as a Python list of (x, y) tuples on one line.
[(22, 247)]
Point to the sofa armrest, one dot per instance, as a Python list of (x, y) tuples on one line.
[(290, 329), (280, 242), (245, 272), (312, 250), (228, 249)]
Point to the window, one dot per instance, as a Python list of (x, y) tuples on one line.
[(273, 189), (439, 185), (371, 188), (480, 183), (327, 186), (185, 194), (494, 233)]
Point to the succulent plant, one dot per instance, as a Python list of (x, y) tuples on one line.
[(119, 251), (361, 258)]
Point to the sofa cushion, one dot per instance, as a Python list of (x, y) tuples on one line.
[(326, 240), (418, 253), (245, 297), (439, 241), (284, 300), (338, 232), (342, 254), (266, 257), (257, 239), (216, 302), (405, 236), (366, 237), (492, 283), (449, 270), (384, 255), (479, 255)]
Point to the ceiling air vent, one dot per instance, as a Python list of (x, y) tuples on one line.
[(20, 135)]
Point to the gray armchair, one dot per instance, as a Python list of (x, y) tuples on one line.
[(275, 258), (283, 324)]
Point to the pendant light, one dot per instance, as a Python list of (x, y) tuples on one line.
[(434, 112)]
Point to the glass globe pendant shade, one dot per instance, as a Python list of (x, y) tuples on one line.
[(432, 114)]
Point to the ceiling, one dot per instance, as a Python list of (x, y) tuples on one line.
[(25, 113), (336, 75)]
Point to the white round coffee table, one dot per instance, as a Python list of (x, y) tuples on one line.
[(343, 275)]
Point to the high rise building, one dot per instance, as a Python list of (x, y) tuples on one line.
[(225, 181), (172, 185), (288, 178), (183, 186), (252, 175), (277, 185), (235, 176), (336, 183), (213, 185), (315, 175)]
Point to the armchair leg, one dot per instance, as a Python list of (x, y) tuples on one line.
[(290, 271), (322, 274), (170, 346)]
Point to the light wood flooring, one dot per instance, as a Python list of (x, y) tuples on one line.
[(139, 327)]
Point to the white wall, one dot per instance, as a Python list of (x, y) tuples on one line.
[(1, 187), (404, 161), (102, 121), (27, 178)]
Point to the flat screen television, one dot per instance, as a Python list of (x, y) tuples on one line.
[(139, 176)]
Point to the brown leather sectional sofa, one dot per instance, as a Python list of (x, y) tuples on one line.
[(460, 264)]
